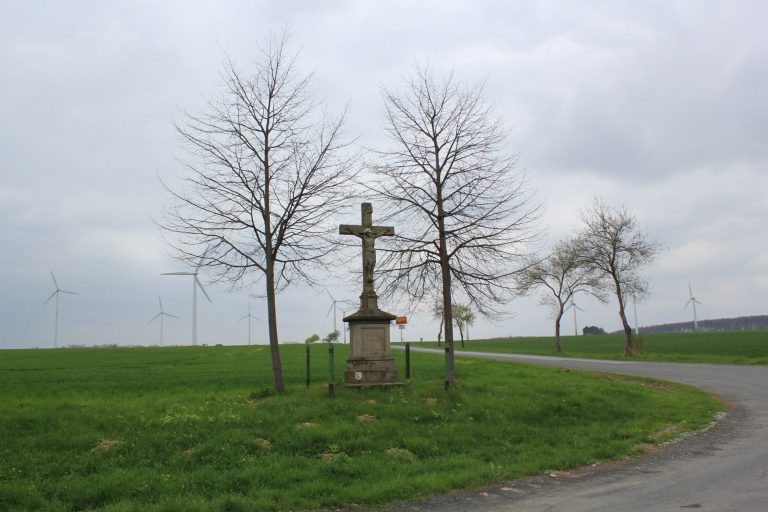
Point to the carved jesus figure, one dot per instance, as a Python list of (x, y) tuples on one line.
[(368, 233)]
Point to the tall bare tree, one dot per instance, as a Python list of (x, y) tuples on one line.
[(562, 274), (616, 248), (462, 212), (265, 177)]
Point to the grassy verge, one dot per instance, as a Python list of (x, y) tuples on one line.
[(197, 429), (737, 347)]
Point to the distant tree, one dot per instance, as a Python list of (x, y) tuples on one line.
[(562, 273), (265, 177), (616, 248), (742, 323), (460, 204), (437, 314), (331, 337), (592, 330), (312, 339), (463, 316)]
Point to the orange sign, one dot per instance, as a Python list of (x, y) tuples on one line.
[(401, 320)]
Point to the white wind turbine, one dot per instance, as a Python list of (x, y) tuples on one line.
[(195, 285), (575, 307), (637, 325), (344, 327), (160, 315), (56, 292), (692, 300), (333, 307), (249, 316)]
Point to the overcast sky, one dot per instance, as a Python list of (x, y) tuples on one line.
[(659, 106)]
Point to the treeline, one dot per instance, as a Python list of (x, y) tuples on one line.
[(741, 323), (109, 345)]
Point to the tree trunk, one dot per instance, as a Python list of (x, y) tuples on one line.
[(277, 369), (440, 332), (445, 269), (450, 367), (629, 349), (558, 348), (274, 348)]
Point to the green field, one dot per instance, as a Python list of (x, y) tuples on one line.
[(197, 429), (736, 347)]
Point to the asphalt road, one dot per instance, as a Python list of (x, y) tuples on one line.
[(724, 469)]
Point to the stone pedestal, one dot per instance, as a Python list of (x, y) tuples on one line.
[(370, 362)]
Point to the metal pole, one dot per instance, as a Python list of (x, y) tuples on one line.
[(575, 324), (695, 319), (637, 325), (407, 360), (56, 323), (330, 370)]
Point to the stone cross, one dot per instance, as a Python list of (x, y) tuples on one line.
[(370, 362), (368, 233)]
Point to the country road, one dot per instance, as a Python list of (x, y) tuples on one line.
[(724, 470)]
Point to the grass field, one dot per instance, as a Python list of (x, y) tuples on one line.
[(737, 347), (197, 429)]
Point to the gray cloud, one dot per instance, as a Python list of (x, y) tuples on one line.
[(658, 106)]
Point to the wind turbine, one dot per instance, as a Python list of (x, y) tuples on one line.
[(637, 325), (575, 307), (692, 300), (56, 292), (195, 285), (333, 307), (249, 316), (344, 327), (160, 315)]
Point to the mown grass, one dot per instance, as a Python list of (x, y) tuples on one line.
[(197, 429), (735, 347)]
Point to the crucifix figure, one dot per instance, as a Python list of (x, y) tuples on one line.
[(368, 233)]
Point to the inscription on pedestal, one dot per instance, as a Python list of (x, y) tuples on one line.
[(373, 339)]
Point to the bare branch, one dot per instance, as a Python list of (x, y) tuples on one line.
[(562, 274), (462, 210), (616, 248), (265, 178)]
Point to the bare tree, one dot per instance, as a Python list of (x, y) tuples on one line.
[(461, 203), (562, 274), (265, 179), (616, 249), (463, 316)]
